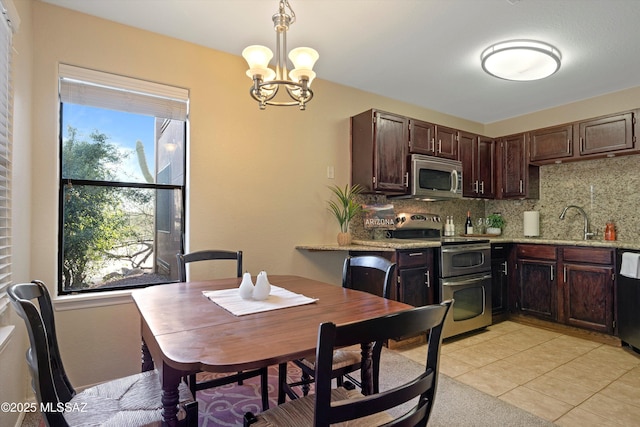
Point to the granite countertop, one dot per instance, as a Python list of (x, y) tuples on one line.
[(389, 245)]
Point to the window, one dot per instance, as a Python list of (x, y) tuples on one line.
[(8, 23), (122, 181)]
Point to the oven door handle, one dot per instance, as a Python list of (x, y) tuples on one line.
[(473, 247), (467, 281)]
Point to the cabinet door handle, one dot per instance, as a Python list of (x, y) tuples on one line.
[(482, 187), (505, 268), (564, 274), (521, 186), (406, 179), (433, 145), (581, 144), (428, 280), (552, 275), (568, 145), (416, 253), (439, 146), (475, 186)]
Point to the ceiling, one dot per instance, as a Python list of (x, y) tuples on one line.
[(423, 52)]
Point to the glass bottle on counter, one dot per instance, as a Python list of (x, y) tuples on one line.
[(468, 226)]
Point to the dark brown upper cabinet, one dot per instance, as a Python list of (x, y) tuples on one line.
[(606, 136), (421, 137), (446, 143), (517, 179), (432, 140), (551, 143), (379, 152), (477, 155)]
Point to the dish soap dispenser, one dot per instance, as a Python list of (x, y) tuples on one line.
[(610, 231)]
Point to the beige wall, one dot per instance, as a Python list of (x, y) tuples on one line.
[(606, 104), (257, 179)]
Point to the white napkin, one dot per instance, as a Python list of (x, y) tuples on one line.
[(230, 300), (630, 265)]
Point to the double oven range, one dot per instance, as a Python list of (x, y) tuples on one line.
[(464, 271)]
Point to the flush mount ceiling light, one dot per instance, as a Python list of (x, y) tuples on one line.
[(521, 60), (267, 82)]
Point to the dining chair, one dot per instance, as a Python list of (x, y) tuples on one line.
[(368, 273), (133, 401), (194, 385), (207, 255), (338, 405)]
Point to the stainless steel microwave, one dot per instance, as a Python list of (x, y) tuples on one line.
[(434, 178)]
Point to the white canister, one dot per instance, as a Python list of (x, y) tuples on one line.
[(531, 223)]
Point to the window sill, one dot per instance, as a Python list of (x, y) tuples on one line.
[(5, 336), (101, 299)]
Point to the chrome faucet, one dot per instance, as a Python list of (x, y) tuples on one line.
[(587, 233)]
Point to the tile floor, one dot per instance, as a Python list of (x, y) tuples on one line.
[(566, 380)]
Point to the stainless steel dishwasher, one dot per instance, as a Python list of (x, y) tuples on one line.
[(628, 305)]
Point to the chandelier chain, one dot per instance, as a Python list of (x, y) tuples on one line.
[(285, 4)]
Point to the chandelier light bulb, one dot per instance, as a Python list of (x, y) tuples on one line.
[(303, 58), (257, 56)]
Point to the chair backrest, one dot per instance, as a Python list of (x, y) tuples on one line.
[(48, 377), (369, 273), (427, 319), (207, 255)]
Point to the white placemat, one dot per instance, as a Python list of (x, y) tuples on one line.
[(230, 300)]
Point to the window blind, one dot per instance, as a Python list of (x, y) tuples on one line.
[(99, 89), (8, 24)]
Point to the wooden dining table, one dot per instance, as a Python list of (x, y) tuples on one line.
[(184, 332)]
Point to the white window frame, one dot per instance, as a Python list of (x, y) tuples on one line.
[(9, 23), (79, 85)]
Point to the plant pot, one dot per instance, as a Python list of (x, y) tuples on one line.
[(494, 230), (344, 239)]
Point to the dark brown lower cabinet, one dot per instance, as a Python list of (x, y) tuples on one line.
[(415, 275), (569, 285), (588, 282), (499, 278), (538, 288)]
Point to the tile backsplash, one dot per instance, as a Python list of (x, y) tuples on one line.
[(607, 189)]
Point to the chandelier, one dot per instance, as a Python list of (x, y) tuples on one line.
[(267, 82)]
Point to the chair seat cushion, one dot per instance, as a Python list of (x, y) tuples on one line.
[(135, 400), (299, 412), (341, 358)]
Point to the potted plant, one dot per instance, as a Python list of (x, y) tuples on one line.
[(344, 209), (495, 222)]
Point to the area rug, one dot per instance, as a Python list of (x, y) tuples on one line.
[(456, 405)]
